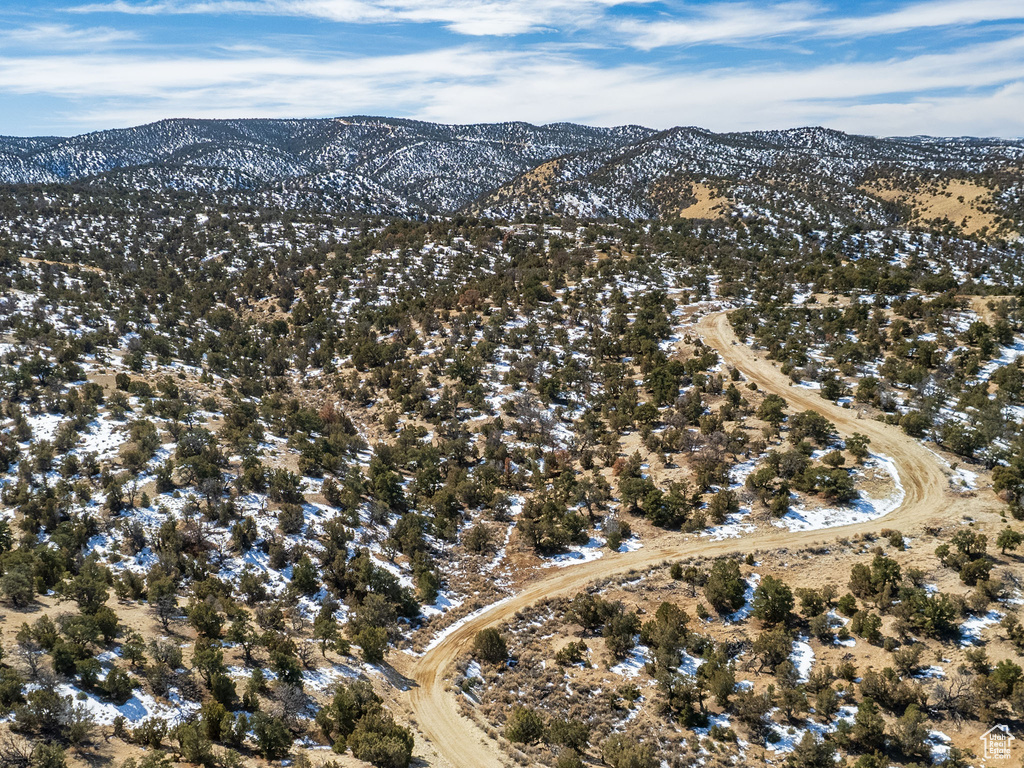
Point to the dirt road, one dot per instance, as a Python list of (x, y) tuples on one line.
[(66, 265), (461, 744)]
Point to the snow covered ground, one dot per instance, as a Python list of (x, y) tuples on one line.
[(104, 438), (44, 425), (1007, 356), (439, 638), (858, 511), (578, 553), (736, 525), (788, 736), (748, 594), (633, 664), (938, 746), (802, 658), (139, 707), (971, 628), (322, 678)]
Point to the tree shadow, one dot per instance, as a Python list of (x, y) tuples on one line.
[(396, 678)]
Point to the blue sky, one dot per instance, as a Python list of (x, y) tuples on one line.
[(939, 67)]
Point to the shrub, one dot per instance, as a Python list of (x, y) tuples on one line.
[(304, 576), (574, 734), (273, 739), (490, 646), (524, 726), (373, 642), (847, 605), (478, 538), (772, 647), (150, 732), (193, 744), (724, 588), (868, 625), (118, 686), (619, 630), (291, 519), (380, 741), (572, 653), (773, 601), (813, 752), (568, 758), (621, 751), (589, 611), (1009, 539), (47, 756)]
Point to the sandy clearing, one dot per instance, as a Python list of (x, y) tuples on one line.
[(965, 204)]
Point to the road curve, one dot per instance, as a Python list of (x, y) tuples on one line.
[(460, 743)]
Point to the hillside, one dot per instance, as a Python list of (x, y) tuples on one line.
[(677, 449), (439, 167), (507, 170)]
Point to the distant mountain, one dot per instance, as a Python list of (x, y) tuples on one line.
[(402, 167), (427, 166)]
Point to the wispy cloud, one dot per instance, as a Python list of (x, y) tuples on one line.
[(927, 15), (940, 87), (334, 10), (468, 17), (722, 23), (470, 84), (744, 23), (58, 36), (665, 63)]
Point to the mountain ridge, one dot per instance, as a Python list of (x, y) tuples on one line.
[(398, 166)]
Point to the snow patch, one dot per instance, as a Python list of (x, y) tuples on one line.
[(447, 631), (858, 511), (970, 629), (802, 658), (633, 664)]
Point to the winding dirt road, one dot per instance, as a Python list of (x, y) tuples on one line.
[(460, 743)]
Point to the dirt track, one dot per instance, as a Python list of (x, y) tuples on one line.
[(66, 265), (460, 743)]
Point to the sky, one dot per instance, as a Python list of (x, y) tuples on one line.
[(937, 67)]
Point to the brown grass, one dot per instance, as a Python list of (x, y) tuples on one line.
[(690, 200), (966, 204)]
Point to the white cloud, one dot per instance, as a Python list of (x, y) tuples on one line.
[(993, 114), (740, 22), (722, 23), (333, 10), (971, 90), (741, 99), (928, 15), (468, 17), (51, 36)]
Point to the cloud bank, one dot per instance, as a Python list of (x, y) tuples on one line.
[(942, 68)]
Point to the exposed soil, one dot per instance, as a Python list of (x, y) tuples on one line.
[(927, 503), (965, 204)]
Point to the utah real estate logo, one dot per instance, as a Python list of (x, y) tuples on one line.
[(998, 741)]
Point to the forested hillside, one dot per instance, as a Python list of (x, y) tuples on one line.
[(376, 442)]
